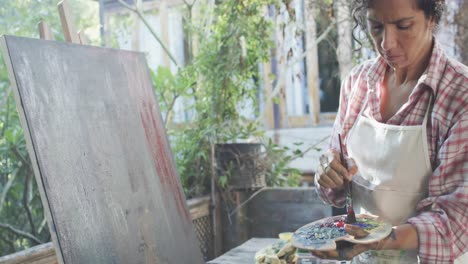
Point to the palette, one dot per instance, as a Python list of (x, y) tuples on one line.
[(323, 234)]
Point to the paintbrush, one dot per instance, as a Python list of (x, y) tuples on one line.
[(350, 216)]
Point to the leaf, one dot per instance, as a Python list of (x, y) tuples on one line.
[(223, 181)]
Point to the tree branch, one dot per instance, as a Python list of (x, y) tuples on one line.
[(42, 225), (7, 100), (26, 203), (143, 19), (190, 5), (23, 159), (8, 91), (280, 81), (7, 188), (21, 233), (127, 6), (169, 109)]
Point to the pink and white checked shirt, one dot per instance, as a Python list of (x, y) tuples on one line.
[(442, 217)]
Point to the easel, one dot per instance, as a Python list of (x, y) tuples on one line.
[(99, 150), (66, 18)]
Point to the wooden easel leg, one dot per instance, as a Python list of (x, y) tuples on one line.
[(67, 22), (44, 31)]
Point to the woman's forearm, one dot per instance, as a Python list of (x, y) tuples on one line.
[(403, 237)]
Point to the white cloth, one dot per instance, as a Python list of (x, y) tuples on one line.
[(394, 169)]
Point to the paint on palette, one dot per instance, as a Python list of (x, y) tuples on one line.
[(332, 229)]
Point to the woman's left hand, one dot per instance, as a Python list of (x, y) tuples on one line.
[(346, 250)]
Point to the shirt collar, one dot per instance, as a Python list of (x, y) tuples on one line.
[(436, 68), (431, 76)]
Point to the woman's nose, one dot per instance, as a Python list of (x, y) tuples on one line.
[(388, 39)]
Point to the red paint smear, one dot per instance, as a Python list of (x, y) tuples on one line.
[(159, 148)]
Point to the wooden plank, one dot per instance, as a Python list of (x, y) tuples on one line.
[(102, 159), (199, 207), (66, 18), (41, 254), (300, 121), (244, 253), (44, 31)]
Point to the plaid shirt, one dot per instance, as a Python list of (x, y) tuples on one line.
[(442, 218)]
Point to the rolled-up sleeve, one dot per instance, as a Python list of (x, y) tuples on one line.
[(331, 196), (442, 217)]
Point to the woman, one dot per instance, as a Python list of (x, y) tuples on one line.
[(403, 118)]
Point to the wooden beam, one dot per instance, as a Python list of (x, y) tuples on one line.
[(163, 18), (41, 254), (137, 24), (199, 207), (269, 119), (44, 31), (312, 60), (66, 19), (299, 121)]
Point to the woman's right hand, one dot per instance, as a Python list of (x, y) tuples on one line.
[(331, 173)]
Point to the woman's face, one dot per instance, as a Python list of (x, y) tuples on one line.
[(400, 31)]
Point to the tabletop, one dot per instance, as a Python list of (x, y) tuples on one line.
[(245, 253)]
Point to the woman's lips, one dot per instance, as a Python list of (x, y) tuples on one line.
[(393, 58)]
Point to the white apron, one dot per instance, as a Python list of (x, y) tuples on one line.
[(394, 170)]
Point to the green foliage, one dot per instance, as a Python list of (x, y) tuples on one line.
[(215, 84), (278, 169)]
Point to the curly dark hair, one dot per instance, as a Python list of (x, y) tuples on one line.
[(431, 8)]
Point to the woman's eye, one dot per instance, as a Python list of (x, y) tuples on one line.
[(403, 27), (377, 28)]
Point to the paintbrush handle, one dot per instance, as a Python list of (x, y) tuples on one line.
[(350, 216)]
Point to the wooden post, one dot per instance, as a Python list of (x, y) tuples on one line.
[(282, 19), (312, 60), (137, 23), (44, 31), (344, 52), (267, 91), (67, 22), (82, 37), (216, 208), (163, 17)]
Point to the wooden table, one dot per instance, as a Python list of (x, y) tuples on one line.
[(245, 253)]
